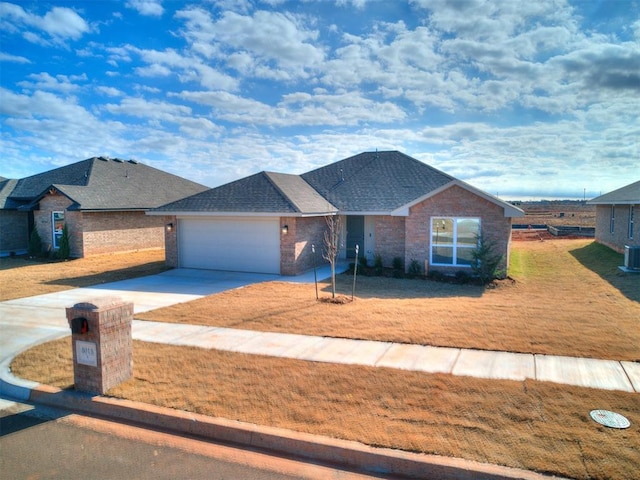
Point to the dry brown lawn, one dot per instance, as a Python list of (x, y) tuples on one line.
[(566, 297), (557, 213), (532, 425), (23, 277), (559, 302)]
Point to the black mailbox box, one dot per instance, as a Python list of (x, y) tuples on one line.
[(79, 325)]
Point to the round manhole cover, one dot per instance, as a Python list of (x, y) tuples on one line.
[(610, 419)]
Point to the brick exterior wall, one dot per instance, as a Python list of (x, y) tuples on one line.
[(454, 202), (170, 241), (14, 231), (390, 238), (109, 321), (296, 254), (96, 233), (111, 232), (620, 236)]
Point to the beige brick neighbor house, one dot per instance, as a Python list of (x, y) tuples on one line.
[(102, 201), (616, 211), (392, 206)]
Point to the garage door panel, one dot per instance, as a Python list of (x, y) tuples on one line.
[(234, 244)]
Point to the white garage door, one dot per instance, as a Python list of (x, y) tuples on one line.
[(233, 243)]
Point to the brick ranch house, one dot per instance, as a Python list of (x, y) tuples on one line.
[(391, 205), (616, 211), (101, 200)]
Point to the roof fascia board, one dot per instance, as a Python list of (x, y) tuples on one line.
[(107, 210), (509, 210), (363, 213), (614, 202)]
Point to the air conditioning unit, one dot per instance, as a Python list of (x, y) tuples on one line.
[(632, 257)]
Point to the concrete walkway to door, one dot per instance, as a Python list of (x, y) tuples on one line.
[(29, 321)]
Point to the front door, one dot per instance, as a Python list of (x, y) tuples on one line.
[(355, 235)]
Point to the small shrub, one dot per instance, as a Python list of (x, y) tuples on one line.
[(463, 277), (35, 243), (363, 263), (486, 261), (397, 263), (436, 275), (377, 264), (64, 251), (414, 268)]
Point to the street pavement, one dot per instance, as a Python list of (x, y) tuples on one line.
[(79, 446)]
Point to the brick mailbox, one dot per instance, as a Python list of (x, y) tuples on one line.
[(101, 342)]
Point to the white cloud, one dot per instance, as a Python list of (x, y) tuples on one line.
[(151, 8), (59, 23), (109, 91), (153, 70), (280, 45), (5, 57), (59, 83), (298, 109)]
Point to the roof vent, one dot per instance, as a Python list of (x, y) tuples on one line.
[(104, 159), (341, 175), (135, 162), (118, 160)]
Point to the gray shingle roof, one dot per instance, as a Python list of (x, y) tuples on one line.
[(375, 181), (629, 194), (368, 183), (264, 192), (100, 183), (6, 187)]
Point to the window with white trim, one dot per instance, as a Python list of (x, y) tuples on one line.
[(453, 241), (612, 219), (57, 225), (630, 234)]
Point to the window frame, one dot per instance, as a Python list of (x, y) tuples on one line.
[(454, 244), (612, 219), (56, 235)]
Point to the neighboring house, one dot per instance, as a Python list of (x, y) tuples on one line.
[(101, 200), (392, 205), (616, 212)]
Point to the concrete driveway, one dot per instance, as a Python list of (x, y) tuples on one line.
[(33, 320)]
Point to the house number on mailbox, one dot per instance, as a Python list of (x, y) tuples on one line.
[(86, 353)]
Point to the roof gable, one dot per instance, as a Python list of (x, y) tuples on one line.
[(509, 209), (263, 192), (629, 194), (101, 183)]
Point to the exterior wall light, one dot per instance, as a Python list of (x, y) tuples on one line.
[(169, 227), (285, 229)]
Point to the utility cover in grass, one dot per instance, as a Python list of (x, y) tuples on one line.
[(610, 419)]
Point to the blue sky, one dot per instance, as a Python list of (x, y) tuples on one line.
[(523, 99)]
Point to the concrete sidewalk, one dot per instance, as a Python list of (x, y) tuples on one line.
[(583, 372)]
